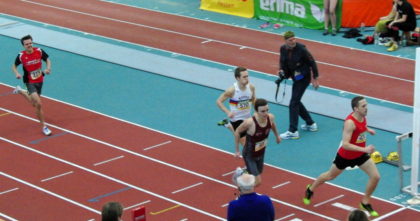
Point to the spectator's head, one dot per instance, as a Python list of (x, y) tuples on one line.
[(357, 215), (289, 36), (246, 183), (112, 211)]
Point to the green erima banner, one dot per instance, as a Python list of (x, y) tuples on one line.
[(296, 13)]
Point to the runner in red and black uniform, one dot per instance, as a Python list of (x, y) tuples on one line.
[(352, 152), (257, 129), (33, 76)]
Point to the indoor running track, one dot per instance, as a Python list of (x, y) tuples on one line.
[(86, 163)]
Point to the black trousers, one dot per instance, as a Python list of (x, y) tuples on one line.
[(296, 107)]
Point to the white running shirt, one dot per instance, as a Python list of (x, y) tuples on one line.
[(240, 103)]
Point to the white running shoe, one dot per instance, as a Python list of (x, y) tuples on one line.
[(311, 128), (289, 135), (46, 131), (238, 172), (17, 89)]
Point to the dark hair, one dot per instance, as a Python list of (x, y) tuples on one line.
[(259, 102), (358, 215), (355, 101), (26, 37), (112, 211), (238, 71)]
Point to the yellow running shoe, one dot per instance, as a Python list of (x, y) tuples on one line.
[(369, 208), (393, 47)]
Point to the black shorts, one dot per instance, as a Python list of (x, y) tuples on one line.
[(236, 125), (342, 163), (34, 87)]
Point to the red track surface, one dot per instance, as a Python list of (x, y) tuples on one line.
[(341, 68), (84, 138)]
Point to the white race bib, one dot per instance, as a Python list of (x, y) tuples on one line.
[(36, 74)]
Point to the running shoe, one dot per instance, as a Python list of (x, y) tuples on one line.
[(17, 89), (334, 32), (46, 131), (313, 127), (325, 32), (223, 122), (393, 47), (389, 44), (369, 208), (308, 195), (289, 135), (238, 172)]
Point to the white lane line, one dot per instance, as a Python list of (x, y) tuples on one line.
[(389, 214), (49, 192), (111, 178), (7, 24), (281, 184), (225, 205), (107, 161), (138, 204), (343, 206), (285, 217), (8, 217), (204, 42), (157, 145), (8, 191), (60, 175), (156, 160), (186, 188), (195, 36), (326, 201)]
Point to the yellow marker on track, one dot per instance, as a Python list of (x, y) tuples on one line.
[(165, 210)]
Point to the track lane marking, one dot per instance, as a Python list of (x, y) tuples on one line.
[(48, 192), (96, 199), (205, 38), (329, 200), (157, 145), (165, 210), (57, 176), (281, 184), (8, 191), (285, 217), (8, 217), (136, 205), (109, 178), (162, 162), (107, 161), (186, 188)]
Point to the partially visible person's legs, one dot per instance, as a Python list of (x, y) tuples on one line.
[(330, 16), (370, 169), (33, 96)]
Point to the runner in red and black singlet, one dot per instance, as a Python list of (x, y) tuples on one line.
[(33, 76), (352, 152), (358, 138), (32, 65), (257, 130)]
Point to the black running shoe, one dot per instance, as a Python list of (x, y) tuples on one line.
[(369, 208), (308, 195)]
